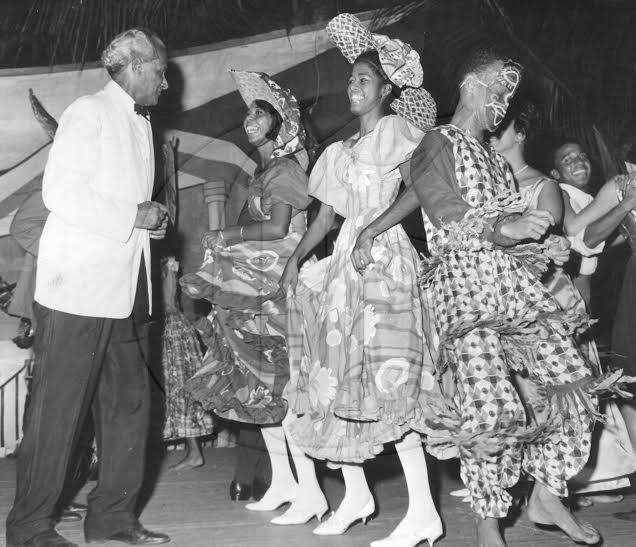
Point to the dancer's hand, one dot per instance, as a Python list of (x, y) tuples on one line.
[(531, 225), (558, 249), (211, 239), (629, 190), (361, 254), (289, 279)]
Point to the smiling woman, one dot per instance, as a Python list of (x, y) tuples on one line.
[(356, 343), (246, 366)]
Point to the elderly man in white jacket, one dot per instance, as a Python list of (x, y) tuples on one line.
[(92, 302)]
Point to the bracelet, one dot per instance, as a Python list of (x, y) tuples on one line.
[(241, 233)]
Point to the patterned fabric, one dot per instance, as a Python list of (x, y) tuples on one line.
[(291, 136), (417, 106), (358, 359), (400, 62), (246, 366), (481, 299), (181, 359), (612, 466)]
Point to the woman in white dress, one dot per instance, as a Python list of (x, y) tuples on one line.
[(359, 361)]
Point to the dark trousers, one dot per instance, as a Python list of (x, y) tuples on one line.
[(84, 364), (81, 461), (252, 460)]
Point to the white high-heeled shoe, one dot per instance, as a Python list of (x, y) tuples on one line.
[(410, 539), (302, 515), (335, 525), (273, 502)]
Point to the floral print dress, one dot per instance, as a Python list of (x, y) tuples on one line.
[(246, 366), (357, 352)]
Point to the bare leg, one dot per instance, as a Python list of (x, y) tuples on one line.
[(193, 457), (545, 508), (488, 533)]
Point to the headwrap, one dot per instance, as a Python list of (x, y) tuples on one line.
[(400, 62), (291, 135)]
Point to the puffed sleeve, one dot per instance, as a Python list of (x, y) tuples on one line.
[(431, 172), (326, 180), (286, 182), (393, 142)]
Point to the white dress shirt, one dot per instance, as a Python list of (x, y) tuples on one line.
[(579, 201), (101, 165)]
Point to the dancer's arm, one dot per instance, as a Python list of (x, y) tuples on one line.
[(425, 176), (599, 230), (551, 199), (319, 228), (603, 202), (430, 177), (276, 227), (573, 223)]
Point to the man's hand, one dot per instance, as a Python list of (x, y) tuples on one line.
[(530, 225), (361, 254), (150, 215), (558, 249), (160, 232)]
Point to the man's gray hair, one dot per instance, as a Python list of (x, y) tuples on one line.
[(135, 43)]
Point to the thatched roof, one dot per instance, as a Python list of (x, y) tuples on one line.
[(581, 54)]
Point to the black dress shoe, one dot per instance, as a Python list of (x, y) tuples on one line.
[(240, 491), (137, 535), (70, 516), (49, 538), (77, 507), (259, 487)]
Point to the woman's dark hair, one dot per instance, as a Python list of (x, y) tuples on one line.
[(372, 59), (527, 118), (277, 120)]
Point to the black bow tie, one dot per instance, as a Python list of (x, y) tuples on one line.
[(142, 110)]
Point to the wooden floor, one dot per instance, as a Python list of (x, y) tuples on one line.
[(193, 508)]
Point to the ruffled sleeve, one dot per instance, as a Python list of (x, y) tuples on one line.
[(286, 182), (392, 143), (326, 180)]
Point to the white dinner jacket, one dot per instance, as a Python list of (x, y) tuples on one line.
[(101, 165)]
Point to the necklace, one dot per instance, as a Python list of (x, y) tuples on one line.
[(514, 174)]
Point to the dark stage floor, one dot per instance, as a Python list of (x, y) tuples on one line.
[(193, 507)]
